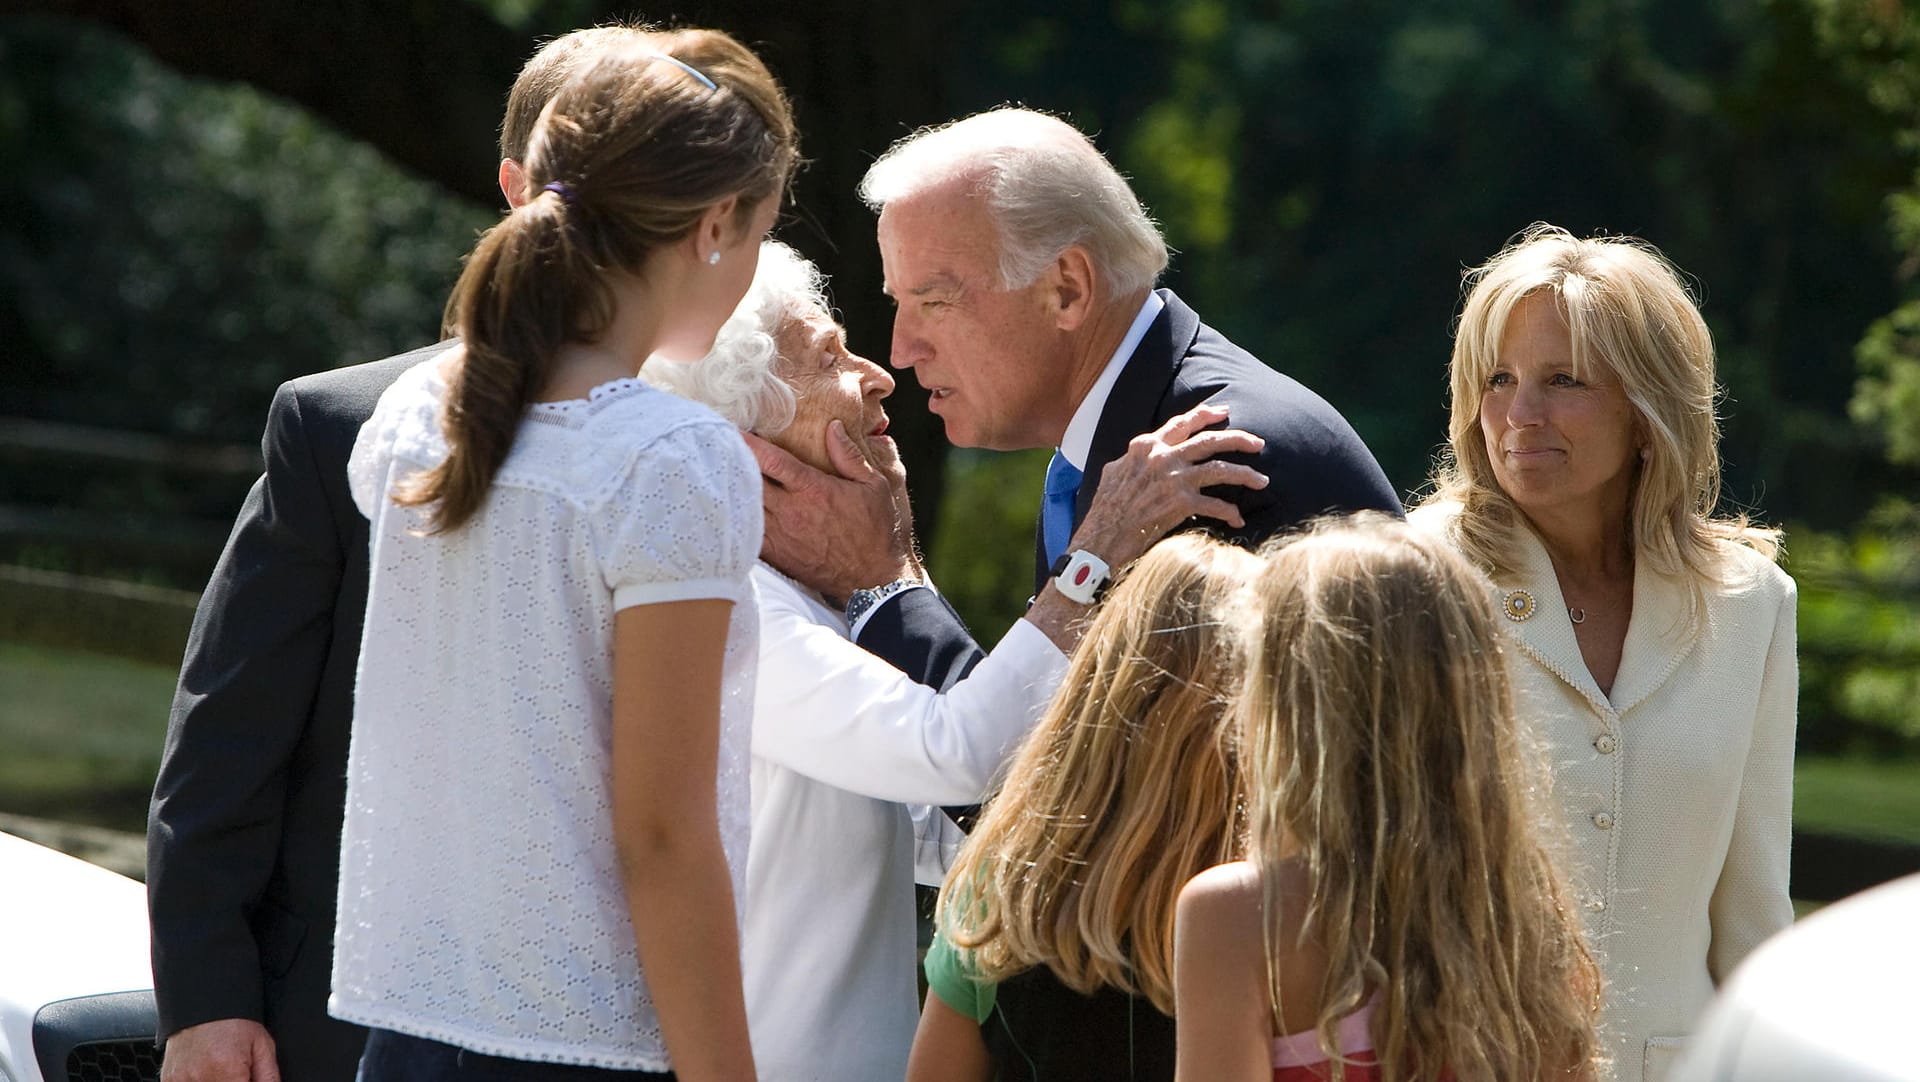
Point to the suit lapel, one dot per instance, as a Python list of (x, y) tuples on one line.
[(1662, 633), (1546, 632), (1659, 636), (1133, 406)]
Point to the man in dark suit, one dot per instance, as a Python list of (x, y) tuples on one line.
[(243, 837), (1023, 269)]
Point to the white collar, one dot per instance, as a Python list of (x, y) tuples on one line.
[(1077, 443)]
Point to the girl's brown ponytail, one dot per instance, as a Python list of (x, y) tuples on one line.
[(624, 160)]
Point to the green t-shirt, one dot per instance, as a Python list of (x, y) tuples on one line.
[(950, 976)]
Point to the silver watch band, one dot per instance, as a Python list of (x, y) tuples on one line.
[(862, 600)]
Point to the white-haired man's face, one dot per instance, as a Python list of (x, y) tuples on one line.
[(991, 359)]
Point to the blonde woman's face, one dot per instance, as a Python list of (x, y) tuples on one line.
[(831, 382), (1556, 442)]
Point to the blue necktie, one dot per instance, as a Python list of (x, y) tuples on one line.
[(1056, 508)]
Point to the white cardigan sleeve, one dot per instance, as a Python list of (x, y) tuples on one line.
[(1750, 900), (827, 709)]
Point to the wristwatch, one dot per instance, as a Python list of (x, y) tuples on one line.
[(863, 599), (1081, 576)]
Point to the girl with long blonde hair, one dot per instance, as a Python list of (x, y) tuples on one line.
[(1054, 952), (1400, 916)]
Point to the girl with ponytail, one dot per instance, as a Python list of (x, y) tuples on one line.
[(547, 786)]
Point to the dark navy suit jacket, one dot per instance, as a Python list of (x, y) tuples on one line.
[(243, 837), (1315, 461)]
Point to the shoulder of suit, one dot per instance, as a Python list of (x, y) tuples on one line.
[(1217, 366), (359, 385), (1749, 572), (325, 409)]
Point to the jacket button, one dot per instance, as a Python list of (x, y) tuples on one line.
[(1605, 744), (1603, 820)]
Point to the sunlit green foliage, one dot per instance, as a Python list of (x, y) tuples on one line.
[(982, 552), (1888, 395), (1861, 592), (1860, 634), (185, 247), (1878, 45), (172, 249), (1325, 169), (1857, 796)]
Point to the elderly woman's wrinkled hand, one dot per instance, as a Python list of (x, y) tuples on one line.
[(1157, 485), (835, 534)]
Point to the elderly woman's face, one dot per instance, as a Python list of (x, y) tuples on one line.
[(1556, 442), (831, 383)]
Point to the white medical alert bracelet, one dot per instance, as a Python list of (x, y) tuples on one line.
[(1081, 576)]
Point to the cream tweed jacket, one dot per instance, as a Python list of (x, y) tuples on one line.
[(1676, 788)]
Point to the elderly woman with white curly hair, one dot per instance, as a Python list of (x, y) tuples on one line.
[(843, 742)]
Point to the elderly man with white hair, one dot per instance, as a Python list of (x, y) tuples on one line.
[(1023, 268), (843, 742)]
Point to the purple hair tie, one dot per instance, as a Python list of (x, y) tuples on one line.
[(565, 193)]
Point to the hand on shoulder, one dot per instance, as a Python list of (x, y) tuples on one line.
[(1158, 484)]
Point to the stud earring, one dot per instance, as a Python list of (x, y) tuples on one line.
[(714, 259)]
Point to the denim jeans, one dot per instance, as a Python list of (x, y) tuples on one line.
[(398, 1057)]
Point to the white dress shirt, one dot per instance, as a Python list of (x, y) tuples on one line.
[(1077, 442), (842, 743)]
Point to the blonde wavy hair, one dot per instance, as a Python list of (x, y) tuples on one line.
[(1124, 791), (1630, 315), (1382, 753)]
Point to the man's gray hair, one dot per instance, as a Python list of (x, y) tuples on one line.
[(1045, 187), (740, 378)]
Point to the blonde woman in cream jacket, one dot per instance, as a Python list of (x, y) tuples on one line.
[(1653, 642)]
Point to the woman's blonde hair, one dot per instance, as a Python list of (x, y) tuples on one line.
[(1381, 752), (1630, 315), (1124, 791), (637, 144)]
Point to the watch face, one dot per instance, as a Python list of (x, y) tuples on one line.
[(865, 598)]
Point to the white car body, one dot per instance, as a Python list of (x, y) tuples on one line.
[(1830, 999), (69, 931)]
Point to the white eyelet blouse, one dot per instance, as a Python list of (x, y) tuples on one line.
[(480, 902)]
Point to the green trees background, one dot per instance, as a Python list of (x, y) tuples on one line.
[(204, 199)]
